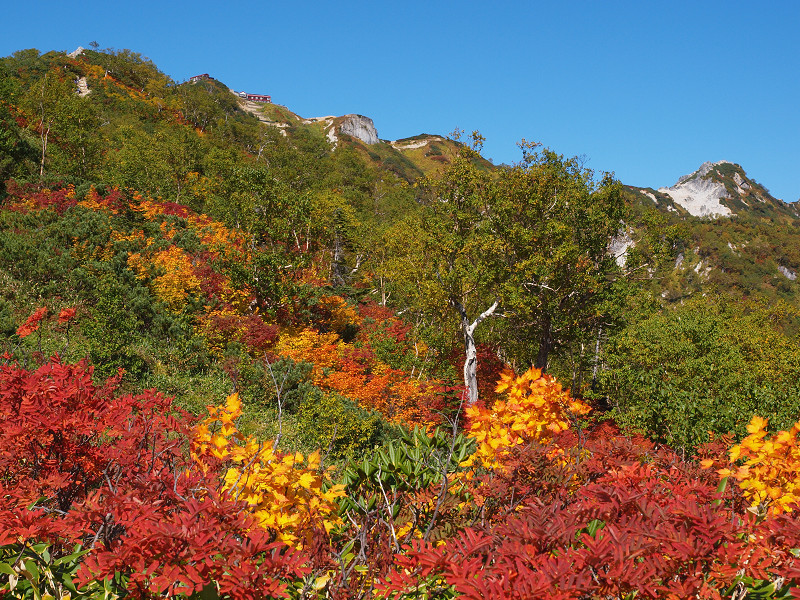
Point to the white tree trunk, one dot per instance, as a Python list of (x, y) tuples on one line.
[(470, 351)]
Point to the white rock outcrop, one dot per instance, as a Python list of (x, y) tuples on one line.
[(83, 87), (699, 196), (411, 144), (360, 127), (619, 246)]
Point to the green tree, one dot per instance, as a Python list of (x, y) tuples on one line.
[(47, 101), (554, 224), (707, 365), (79, 148), (157, 162), (446, 259), (17, 155)]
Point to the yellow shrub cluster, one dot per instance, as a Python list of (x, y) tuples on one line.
[(534, 409), (286, 492), (320, 348), (172, 276), (342, 314), (768, 474)]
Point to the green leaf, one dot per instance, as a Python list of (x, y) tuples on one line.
[(32, 569), (70, 558), (594, 526)]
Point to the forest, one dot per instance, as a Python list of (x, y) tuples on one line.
[(240, 361)]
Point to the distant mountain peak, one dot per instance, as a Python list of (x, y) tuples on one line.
[(704, 170), (719, 189), (699, 194)]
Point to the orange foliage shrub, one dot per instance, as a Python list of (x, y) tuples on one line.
[(768, 475), (111, 202), (212, 233), (357, 374), (536, 408)]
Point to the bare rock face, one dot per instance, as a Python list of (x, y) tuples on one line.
[(700, 196), (83, 87), (619, 246), (360, 127)]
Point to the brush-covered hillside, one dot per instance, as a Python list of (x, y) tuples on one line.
[(735, 237), (248, 354)]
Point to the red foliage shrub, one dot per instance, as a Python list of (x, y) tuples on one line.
[(258, 336), (79, 463), (174, 209), (212, 282), (32, 323), (35, 196), (608, 518), (66, 315)]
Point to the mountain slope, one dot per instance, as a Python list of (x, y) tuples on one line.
[(735, 237), (719, 189), (409, 158)]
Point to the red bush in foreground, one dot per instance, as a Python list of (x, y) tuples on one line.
[(610, 518), (79, 463)]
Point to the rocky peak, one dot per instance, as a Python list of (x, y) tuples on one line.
[(720, 189), (699, 194), (360, 127)]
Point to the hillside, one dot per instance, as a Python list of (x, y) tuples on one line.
[(246, 353), (735, 237), (409, 158)]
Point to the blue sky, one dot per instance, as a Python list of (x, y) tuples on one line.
[(646, 89)]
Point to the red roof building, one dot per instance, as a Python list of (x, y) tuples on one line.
[(259, 98)]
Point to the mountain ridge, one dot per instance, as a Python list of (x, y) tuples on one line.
[(716, 190)]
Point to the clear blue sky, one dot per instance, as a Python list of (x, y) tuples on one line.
[(649, 90)]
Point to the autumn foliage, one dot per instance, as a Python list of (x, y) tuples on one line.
[(527, 498), (170, 507), (596, 516), (535, 408), (82, 464), (284, 491), (357, 373), (768, 467), (32, 323)]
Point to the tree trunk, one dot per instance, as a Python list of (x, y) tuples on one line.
[(596, 361), (44, 135), (545, 343), (470, 350), (337, 264)]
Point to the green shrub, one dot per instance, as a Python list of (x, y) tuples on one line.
[(338, 426)]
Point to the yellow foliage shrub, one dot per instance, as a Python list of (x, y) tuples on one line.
[(768, 474), (172, 276), (342, 314), (535, 408), (322, 349), (285, 491)]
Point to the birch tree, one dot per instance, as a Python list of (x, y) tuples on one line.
[(454, 272)]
